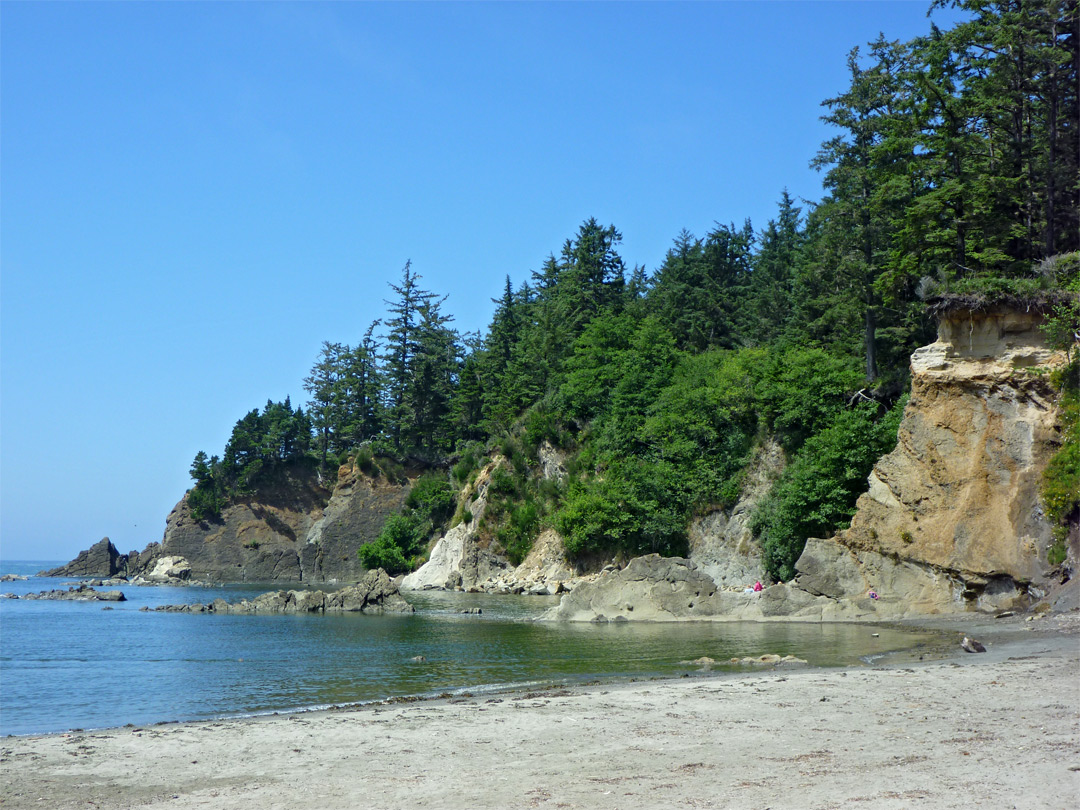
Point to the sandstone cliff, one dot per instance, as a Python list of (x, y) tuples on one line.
[(952, 519)]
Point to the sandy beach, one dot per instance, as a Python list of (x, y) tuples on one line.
[(995, 730)]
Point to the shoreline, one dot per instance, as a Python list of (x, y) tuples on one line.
[(937, 647), (992, 730)]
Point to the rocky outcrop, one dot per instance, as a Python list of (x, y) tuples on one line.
[(375, 593), (168, 569), (354, 515), (951, 520), (650, 588), (100, 560), (255, 540), (545, 570), (461, 558), (297, 531), (79, 593), (721, 543)]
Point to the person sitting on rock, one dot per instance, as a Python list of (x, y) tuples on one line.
[(758, 586)]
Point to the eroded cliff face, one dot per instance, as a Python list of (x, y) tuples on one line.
[(465, 557), (461, 558), (721, 543), (952, 520)]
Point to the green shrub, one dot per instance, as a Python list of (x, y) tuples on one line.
[(403, 537), (816, 494), (1061, 478), (432, 497), (802, 390), (383, 553), (502, 483), (541, 424), (466, 464), (205, 502), (517, 535), (635, 507), (365, 458)]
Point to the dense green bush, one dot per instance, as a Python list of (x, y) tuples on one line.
[(802, 390), (431, 497), (465, 466), (521, 527), (1061, 478), (502, 483), (394, 548), (635, 507), (816, 494)]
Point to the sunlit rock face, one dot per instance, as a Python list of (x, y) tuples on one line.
[(721, 542), (951, 519)]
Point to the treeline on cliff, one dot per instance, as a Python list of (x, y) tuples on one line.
[(954, 170)]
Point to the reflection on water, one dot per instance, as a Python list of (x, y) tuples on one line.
[(67, 664)]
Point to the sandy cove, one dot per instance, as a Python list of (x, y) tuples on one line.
[(997, 730)]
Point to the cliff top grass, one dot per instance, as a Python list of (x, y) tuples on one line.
[(1052, 284)]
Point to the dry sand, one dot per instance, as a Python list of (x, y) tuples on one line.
[(997, 730)]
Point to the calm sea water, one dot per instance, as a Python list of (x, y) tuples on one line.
[(70, 665)]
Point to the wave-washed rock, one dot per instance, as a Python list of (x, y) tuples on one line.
[(375, 593), (78, 593)]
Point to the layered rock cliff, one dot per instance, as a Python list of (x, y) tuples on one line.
[(301, 530)]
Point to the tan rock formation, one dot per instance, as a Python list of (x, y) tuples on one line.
[(952, 520)]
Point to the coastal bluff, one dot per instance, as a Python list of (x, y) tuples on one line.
[(951, 521)]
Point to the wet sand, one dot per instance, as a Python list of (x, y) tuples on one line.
[(995, 730)]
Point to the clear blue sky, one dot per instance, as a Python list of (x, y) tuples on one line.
[(193, 196)]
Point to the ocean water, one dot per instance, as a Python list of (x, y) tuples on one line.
[(66, 665)]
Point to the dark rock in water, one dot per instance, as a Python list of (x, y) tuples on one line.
[(375, 593), (81, 593), (100, 560)]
